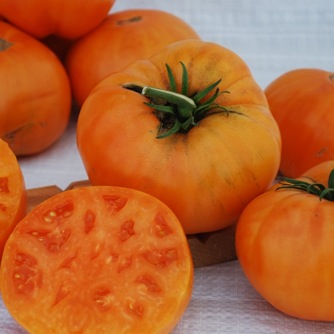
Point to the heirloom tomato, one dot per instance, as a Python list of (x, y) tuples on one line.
[(98, 260), (122, 38), (197, 133), (284, 242), (13, 198), (36, 97), (64, 18), (302, 103)]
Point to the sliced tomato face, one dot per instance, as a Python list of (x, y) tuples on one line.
[(98, 260), (13, 202)]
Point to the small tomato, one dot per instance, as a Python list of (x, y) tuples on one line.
[(284, 242)]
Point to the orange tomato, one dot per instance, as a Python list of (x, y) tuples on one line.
[(98, 260), (120, 39), (13, 201), (35, 93), (284, 242), (301, 102), (206, 162), (64, 18)]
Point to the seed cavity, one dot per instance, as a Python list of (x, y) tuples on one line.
[(26, 276), (4, 188), (61, 294), (135, 308), (60, 212), (161, 227), (161, 258), (115, 202), (53, 240), (89, 221), (104, 299), (127, 230), (149, 282)]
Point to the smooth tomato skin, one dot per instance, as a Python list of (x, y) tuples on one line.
[(301, 101), (13, 196), (36, 96), (63, 18), (102, 260), (122, 38), (205, 176), (284, 243)]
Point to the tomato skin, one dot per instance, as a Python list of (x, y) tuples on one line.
[(36, 94), (98, 260), (301, 101), (13, 197), (201, 175), (64, 18), (284, 242), (123, 37)]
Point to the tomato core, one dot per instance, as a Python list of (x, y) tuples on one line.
[(179, 112)]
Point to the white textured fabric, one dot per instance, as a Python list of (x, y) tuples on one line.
[(272, 37)]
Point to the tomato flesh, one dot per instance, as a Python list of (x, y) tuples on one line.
[(98, 260)]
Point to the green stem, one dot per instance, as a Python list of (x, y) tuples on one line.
[(185, 105), (178, 112), (317, 189)]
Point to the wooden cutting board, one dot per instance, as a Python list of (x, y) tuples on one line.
[(206, 248)]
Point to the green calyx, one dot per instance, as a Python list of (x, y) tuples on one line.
[(316, 189), (179, 112)]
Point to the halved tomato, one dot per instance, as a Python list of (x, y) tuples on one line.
[(98, 260)]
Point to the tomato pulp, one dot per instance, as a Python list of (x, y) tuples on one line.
[(98, 260)]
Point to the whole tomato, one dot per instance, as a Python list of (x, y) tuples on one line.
[(122, 38), (64, 18), (302, 102), (196, 133), (35, 93), (284, 242)]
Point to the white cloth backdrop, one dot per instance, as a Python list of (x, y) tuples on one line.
[(272, 37)]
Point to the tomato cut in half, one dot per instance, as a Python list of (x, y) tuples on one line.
[(98, 260), (13, 199)]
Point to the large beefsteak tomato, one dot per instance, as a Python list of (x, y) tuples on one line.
[(284, 242), (64, 18), (122, 38), (36, 96), (98, 260), (204, 142), (302, 102)]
